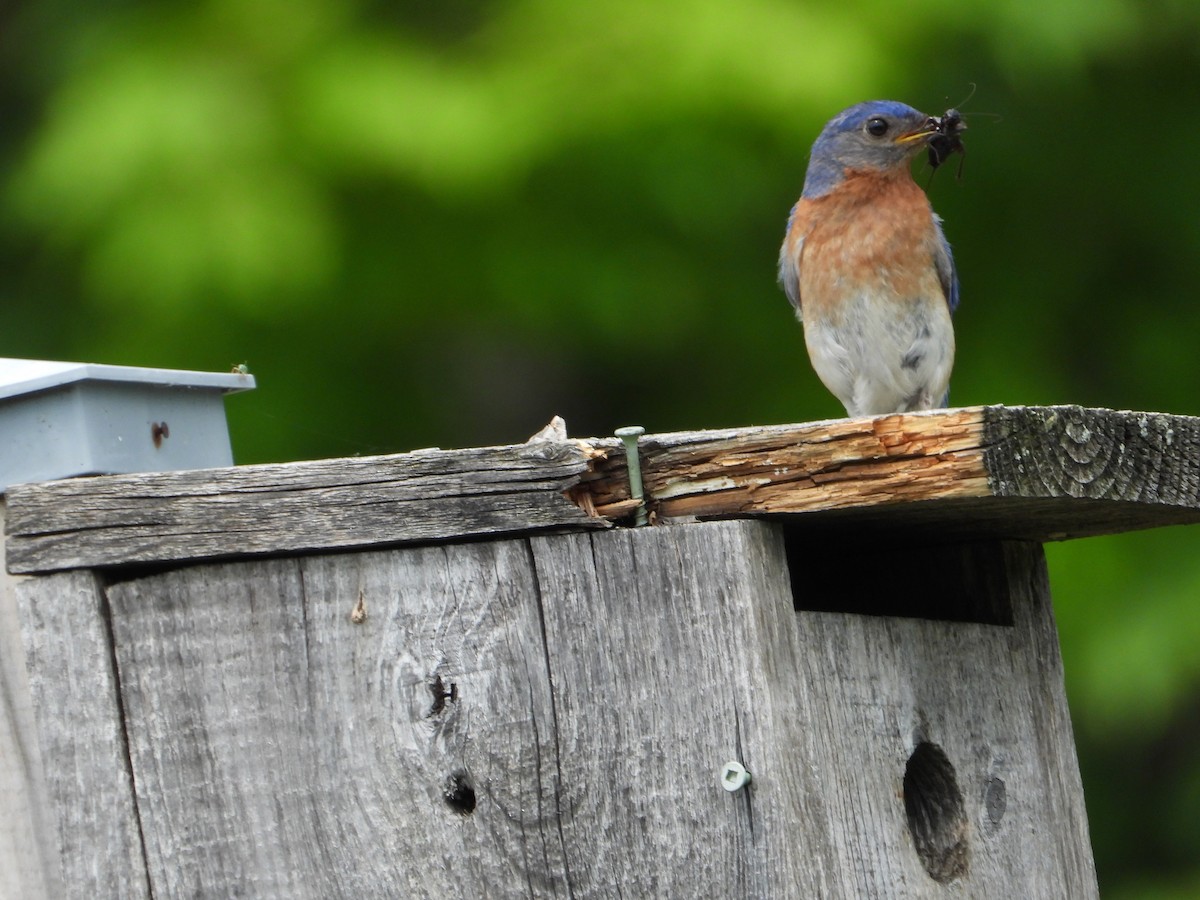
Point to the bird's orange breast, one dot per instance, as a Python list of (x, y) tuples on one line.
[(874, 233)]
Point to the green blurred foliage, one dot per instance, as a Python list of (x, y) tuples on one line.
[(440, 224)]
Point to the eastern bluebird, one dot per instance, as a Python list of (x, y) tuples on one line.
[(866, 255)]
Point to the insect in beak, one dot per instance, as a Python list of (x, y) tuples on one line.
[(944, 138)]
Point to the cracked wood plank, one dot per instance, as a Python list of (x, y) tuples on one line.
[(1031, 473), (297, 726), (295, 507), (495, 723)]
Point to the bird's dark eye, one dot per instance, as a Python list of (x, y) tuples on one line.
[(877, 127)]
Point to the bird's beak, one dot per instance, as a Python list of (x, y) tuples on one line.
[(927, 128)]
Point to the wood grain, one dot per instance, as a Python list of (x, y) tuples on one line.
[(81, 733), (28, 839), (1031, 473), (307, 755), (990, 697), (304, 755), (325, 504), (671, 652), (546, 717)]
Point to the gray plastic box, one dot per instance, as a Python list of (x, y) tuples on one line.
[(60, 419)]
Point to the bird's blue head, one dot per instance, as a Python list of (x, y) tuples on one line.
[(878, 134)]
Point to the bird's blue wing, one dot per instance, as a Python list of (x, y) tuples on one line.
[(943, 261), (789, 263)]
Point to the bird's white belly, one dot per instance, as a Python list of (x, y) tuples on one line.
[(884, 357)]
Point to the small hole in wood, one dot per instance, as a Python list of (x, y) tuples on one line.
[(459, 794), (936, 818)]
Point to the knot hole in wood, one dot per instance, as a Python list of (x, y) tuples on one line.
[(936, 817), (459, 793)]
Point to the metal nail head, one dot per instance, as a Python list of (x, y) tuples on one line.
[(734, 776)]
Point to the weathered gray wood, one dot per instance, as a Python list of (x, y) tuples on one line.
[(81, 736), (1035, 473), (281, 749), (28, 863), (671, 652), (296, 726), (323, 504), (991, 697)]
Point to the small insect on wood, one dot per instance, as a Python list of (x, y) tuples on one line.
[(945, 140)]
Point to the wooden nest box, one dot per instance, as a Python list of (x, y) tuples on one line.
[(457, 674)]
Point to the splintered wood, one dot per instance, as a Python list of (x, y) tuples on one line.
[(801, 468), (1028, 473)]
